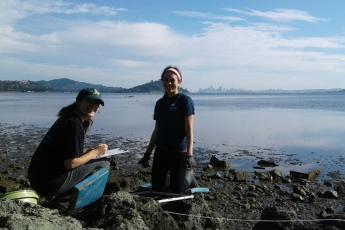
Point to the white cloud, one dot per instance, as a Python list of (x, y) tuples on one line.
[(208, 16), (14, 10), (279, 15)]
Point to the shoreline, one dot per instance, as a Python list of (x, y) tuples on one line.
[(234, 193)]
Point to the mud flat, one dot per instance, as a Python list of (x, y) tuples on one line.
[(238, 198)]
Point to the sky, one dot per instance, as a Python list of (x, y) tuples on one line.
[(241, 44)]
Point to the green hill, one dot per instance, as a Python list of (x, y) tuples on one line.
[(68, 85)]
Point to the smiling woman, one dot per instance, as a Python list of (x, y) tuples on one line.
[(60, 161)]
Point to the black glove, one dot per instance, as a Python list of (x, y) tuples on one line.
[(145, 160), (190, 162)]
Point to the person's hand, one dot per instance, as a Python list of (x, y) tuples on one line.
[(144, 161), (190, 162), (101, 149)]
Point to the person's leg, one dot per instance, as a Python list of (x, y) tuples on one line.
[(159, 170), (78, 174), (178, 173)]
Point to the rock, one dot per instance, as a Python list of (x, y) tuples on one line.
[(276, 174), (340, 188), (195, 207), (264, 176), (252, 194), (214, 175), (240, 176), (276, 213), (20, 215), (123, 211), (258, 167), (286, 179), (304, 182), (252, 187), (238, 188), (215, 162), (265, 163), (245, 205), (328, 183), (311, 196), (326, 213), (331, 194), (297, 197), (299, 190), (309, 176)]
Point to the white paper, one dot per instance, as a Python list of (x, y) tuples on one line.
[(112, 152)]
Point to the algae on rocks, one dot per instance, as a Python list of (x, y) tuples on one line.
[(19, 215), (123, 211)]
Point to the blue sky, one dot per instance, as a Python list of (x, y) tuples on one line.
[(295, 44)]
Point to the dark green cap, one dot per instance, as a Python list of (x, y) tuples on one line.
[(90, 94)]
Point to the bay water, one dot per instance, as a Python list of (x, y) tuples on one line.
[(305, 128)]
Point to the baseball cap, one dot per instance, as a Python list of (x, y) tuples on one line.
[(90, 94)]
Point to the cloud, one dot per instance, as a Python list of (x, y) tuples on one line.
[(279, 15), (208, 16), (13, 10)]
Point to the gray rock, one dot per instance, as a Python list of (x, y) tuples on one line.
[(266, 163), (308, 176), (276, 213), (215, 162), (240, 176), (296, 197), (340, 188), (276, 174), (20, 215), (331, 194)]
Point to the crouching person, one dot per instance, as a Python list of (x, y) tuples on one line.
[(60, 162)]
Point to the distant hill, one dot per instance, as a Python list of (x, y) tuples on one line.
[(21, 86), (151, 87), (68, 85)]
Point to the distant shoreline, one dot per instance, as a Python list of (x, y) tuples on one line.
[(154, 87)]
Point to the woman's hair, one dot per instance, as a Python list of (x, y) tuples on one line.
[(166, 69), (72, 109)]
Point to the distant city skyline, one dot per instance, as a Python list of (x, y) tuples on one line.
[(240, 44)]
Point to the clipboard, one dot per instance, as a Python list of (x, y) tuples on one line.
[(112, 152)]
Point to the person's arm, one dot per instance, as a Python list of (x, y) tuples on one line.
[(153, 139), (144, 160), (189, 120), (86, 157)]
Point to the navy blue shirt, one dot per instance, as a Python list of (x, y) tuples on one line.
[(64, 140), (169, 114)]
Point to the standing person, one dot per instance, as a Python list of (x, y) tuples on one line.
[(172, 136), (60, 162)]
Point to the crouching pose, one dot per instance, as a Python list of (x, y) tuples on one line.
[(172, 136), (60, 162)]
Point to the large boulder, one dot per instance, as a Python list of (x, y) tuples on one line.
[(121, 210)]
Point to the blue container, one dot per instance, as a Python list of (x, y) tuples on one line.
[(90, 189)]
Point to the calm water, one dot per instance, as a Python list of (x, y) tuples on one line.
[(309, 127)]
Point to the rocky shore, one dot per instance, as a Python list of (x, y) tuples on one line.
[(261, 198)]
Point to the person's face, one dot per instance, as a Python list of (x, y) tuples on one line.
[(170, 83), (88, 109)]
